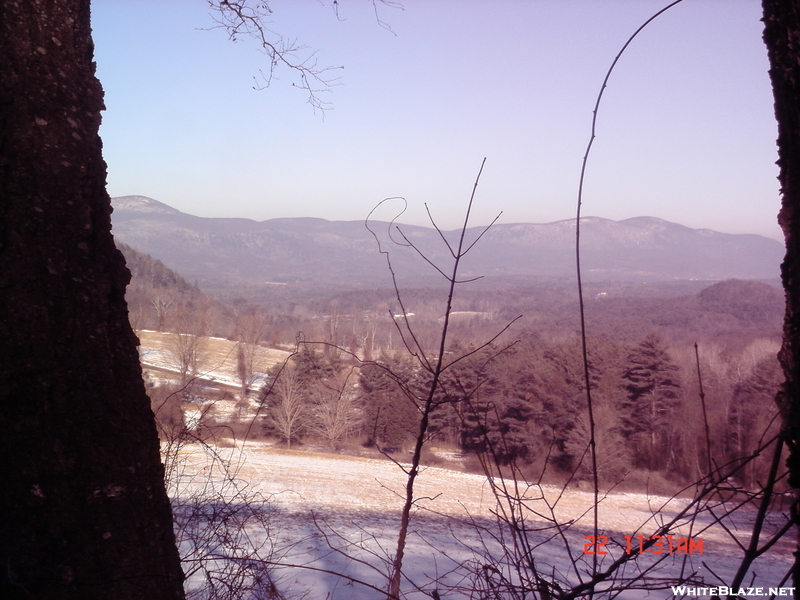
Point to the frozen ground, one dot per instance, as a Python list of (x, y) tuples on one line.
[(338, 515), (218, 358)]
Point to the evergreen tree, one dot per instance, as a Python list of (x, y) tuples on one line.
[(391, 416), (501, 427), (653, 389), (313, 366), (496, 407)]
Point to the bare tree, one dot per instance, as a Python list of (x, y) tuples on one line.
[(369, 338), (432, 362), (185, 346), (163, 302), (333, 407), (215, 514), (253, 19), (250, 330), (613, 455), (286, 408)]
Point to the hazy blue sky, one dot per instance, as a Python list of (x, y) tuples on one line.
[(686, 131)]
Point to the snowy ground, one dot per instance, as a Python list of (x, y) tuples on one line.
[(218, 358), (340, 514)]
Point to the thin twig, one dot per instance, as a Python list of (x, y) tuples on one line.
[(584, 352)]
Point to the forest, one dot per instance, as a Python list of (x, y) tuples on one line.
[(681, 375)]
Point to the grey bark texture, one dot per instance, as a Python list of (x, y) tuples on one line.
[(85, 513), (782, 38)]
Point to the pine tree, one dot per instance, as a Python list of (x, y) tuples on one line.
[(391, 418), (501, 427), (653, 389)]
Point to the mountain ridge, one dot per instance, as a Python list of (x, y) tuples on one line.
[(307, 250)]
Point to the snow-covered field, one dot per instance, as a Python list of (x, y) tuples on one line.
[(338, 514), (333, 519), (218, 359)]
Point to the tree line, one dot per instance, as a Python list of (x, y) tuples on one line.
[(523, 403)]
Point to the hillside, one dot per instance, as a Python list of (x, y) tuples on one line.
[(221, 253), (159, 297), (148, 271)]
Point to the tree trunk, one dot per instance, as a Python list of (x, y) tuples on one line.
[(85, 511), (782, 37)]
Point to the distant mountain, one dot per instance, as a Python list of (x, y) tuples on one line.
[(223, 252)]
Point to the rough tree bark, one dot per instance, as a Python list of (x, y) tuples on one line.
[(85, 514), (782, 38)]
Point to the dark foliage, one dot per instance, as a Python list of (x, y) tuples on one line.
[(653, 388), (391, 414)]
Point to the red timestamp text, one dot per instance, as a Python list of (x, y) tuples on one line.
[(639, 544)]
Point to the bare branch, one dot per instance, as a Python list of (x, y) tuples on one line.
[(253, 19), (587, 378)]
